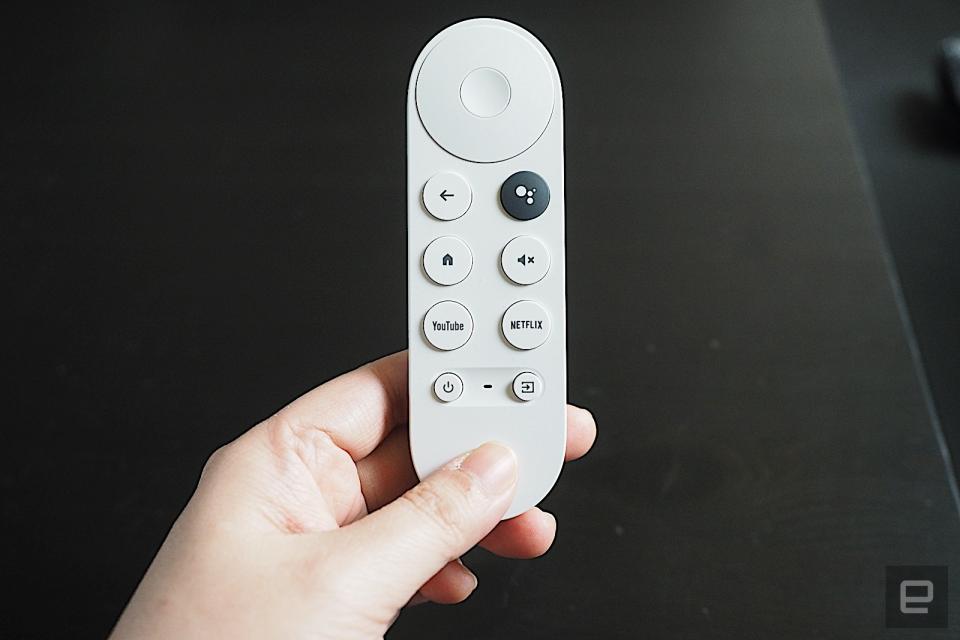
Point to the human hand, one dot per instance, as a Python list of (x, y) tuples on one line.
[(312, 524)]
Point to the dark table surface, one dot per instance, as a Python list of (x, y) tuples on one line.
[(186, 191), (910, 146)]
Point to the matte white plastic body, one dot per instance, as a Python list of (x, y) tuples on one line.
[(535, 430)]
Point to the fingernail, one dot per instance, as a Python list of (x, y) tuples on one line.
[(494, 465), (470, 573)]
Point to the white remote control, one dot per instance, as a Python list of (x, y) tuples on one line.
[(485, 252)]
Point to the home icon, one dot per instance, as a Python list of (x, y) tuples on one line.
[(448, 260)]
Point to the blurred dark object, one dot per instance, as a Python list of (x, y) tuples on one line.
[(931, 122), (948, 70), (909, 140)]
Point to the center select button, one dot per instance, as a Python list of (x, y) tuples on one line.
[(447, 260), (485, 92), (447, 325), (526, 325)]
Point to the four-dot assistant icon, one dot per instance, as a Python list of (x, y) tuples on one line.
[(524, 195)]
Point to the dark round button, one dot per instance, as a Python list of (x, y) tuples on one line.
[(524, 195)]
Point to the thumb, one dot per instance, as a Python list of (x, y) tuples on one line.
[(409, 540)]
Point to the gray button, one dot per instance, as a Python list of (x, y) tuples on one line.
[(525, 195)]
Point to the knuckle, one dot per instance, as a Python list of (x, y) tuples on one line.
[(311, 446), (226, 457), (279, 431), (216, 460)]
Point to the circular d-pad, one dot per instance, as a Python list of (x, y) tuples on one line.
[(525, 195), (485, 93)]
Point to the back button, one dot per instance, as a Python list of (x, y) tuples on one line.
[(447, 196)]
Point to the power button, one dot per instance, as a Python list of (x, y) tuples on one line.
[(448, 387)]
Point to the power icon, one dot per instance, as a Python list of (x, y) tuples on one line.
[(448, 387)]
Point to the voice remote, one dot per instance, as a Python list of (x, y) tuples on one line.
[(485, 249)]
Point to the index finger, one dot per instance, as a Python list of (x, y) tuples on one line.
[(357, 409)]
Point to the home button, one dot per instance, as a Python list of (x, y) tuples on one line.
[(447, 260)]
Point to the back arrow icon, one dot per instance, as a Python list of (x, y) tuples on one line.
[(446, 195)]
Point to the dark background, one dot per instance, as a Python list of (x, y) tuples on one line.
[(910, 150), (203, 216)]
